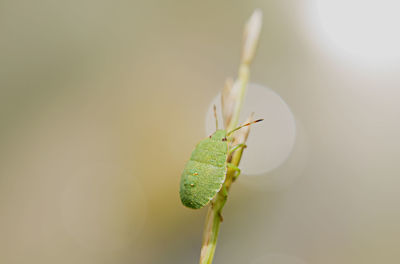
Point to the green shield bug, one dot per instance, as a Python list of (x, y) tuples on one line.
[(205, 172)]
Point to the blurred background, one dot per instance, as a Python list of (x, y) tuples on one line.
[(102, 102)]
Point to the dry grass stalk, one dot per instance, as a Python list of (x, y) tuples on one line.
[(232, 99)]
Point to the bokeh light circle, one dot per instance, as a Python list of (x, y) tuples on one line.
[(364, 29), (271, 141)]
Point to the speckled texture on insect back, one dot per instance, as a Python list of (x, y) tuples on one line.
[(205, 172)]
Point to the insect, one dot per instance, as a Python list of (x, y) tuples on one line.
[(205, 172)]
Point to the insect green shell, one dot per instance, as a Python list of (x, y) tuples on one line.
[(205, 172)]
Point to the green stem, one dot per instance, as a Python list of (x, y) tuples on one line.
[(243, 79), (214, 213), (211, 229)]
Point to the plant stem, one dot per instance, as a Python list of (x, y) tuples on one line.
[(211, 231), (214, 213)]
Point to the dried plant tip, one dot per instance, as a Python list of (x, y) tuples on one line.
[(251, 36), (233, 101), (242, 134)]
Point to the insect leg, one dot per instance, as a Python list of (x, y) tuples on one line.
[(224, 193), (236, 147), (235, 168)]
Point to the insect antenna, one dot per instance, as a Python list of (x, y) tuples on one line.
[(216, 119), (248, 124)]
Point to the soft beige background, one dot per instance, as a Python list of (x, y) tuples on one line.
[(101, 103)]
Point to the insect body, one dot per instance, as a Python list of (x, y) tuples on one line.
[(205, 172)]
